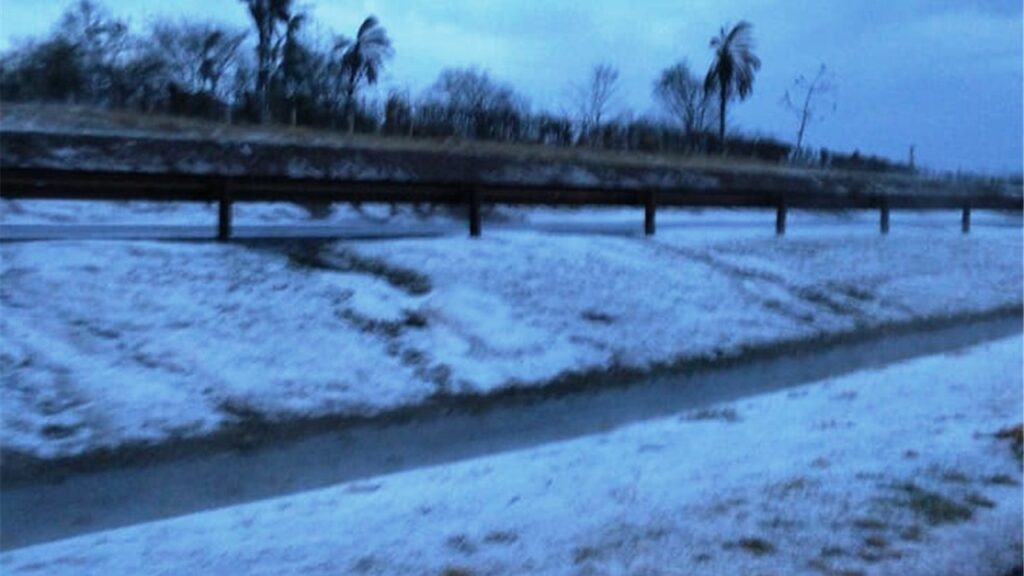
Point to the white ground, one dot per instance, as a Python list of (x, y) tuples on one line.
[(103, 343), (199, 214), (889, 471)]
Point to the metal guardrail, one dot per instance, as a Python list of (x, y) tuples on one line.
[(36, 183)]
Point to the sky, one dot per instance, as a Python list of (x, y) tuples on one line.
[(944, 76)]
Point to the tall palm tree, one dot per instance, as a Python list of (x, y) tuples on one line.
[(266, 15), (295, 59), (732, 71), (362, 60)]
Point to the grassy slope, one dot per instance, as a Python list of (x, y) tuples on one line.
[(76, 119)]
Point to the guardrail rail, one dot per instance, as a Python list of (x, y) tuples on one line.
[(85, 185)]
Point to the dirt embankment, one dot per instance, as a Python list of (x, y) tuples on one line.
[(817, 357), (41, 137)]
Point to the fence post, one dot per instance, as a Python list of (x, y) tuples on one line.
[(965, 220), (224, 211), (650, 208), (884, 221), (474, 212), (780, 218)]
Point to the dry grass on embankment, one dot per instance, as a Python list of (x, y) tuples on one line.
[(726, 171)]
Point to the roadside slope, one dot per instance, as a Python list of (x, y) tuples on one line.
[(891, 471), (109, 344)]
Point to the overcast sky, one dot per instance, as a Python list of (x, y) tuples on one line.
[(943, 75)]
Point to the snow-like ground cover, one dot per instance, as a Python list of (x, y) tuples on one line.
[(107, 343), (889, 471), (39, 212), (35, 212)]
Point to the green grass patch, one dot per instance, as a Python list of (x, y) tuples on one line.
[(1002, 480), (832, 552), (1015, 434), (870, 524), (584, 554), (912, 533), (933, 507), (753, 545), (312, 256), (978, 500), (409, 281), (387, 328), (461, 543), (875, 541), (309, 259), (501, 537), (597, 317), (723, 414), (955, 477)]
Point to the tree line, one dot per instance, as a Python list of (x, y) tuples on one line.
[(284, 69)]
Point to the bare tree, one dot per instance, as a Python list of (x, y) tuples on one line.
[(102, 43), (595, 99), (473, 105), (142, 82), (683, 98), (238, 83), (806, 97), (198, 55), (218, 55)]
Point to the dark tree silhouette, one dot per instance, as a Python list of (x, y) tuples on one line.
[(683, 97), (362, 60), (732, 71), (295, 69), (199, 69), (217, 55), (553, 130), (595, 100), (398, 114), (267, 15), (53, 70), (101, 42), (468, 103), (195, 56)]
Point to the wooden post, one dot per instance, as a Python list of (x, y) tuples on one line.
[(965, 220), (474, 212), (224, 212), (780, 218), (884, 221), (650, 208)]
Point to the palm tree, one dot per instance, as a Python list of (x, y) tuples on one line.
[(732, 71), (266, 15), (294, 68), (362, 60)]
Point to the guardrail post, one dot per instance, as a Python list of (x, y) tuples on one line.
[(223, 212), (650, 209), (965, 220), (780, 218), (883, 223), (474, 212)]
